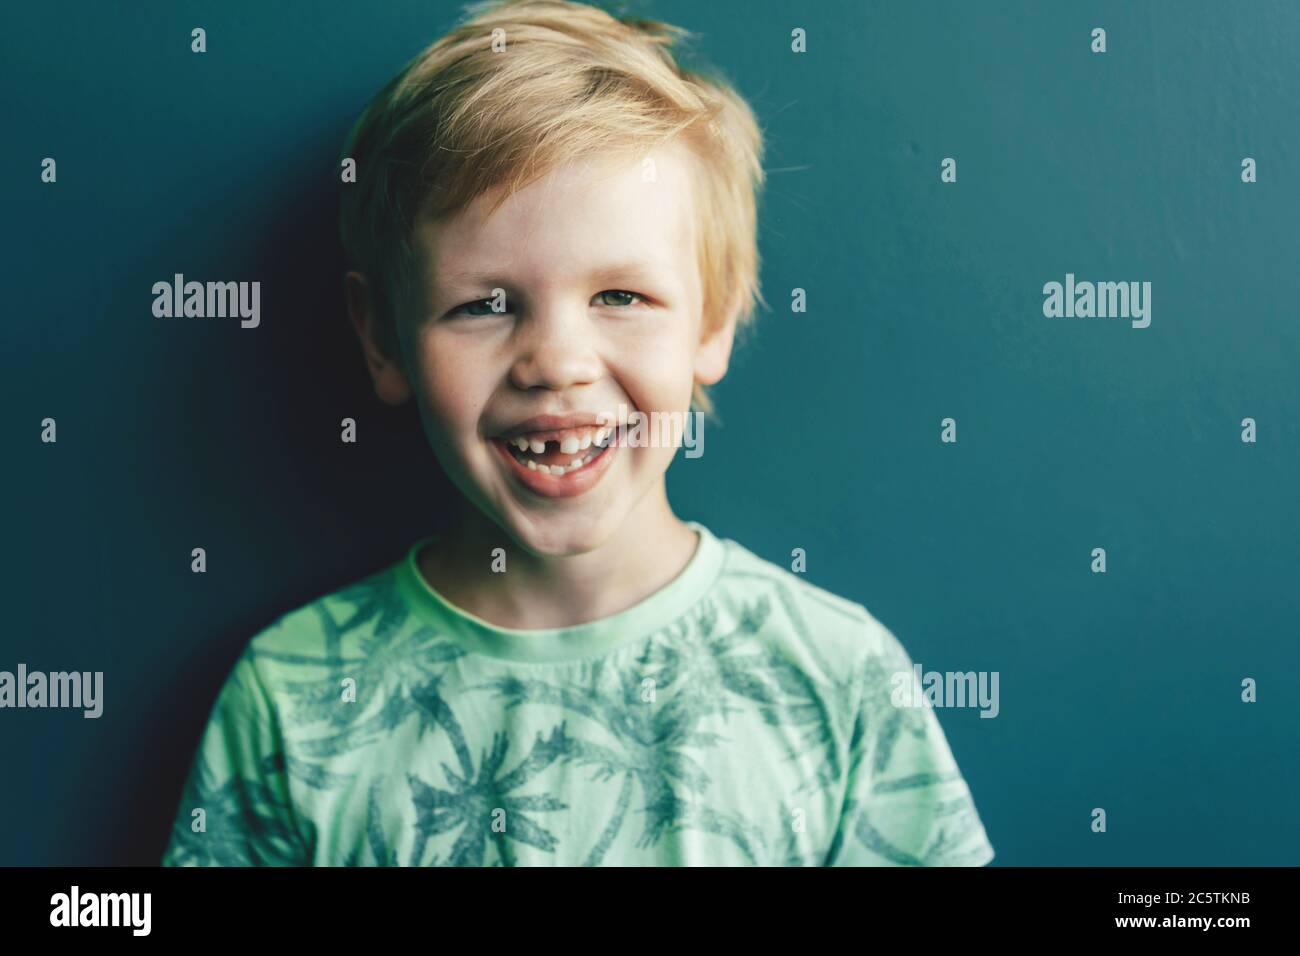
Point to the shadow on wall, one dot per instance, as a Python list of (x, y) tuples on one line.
[(258, 468)]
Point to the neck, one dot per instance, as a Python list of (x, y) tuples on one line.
[(648, 551)]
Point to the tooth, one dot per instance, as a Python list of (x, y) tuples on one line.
[(576, 463), (544, 469), (570, 444), (586, 441), (520, 442), (537, 446)]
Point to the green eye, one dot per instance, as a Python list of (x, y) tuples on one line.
[(618, 292), (479, 308)]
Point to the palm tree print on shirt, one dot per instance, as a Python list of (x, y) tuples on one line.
[(649, 748), (246, 821), (399, 668), (713, 666), (889, 723), (700, 670), (474, 799)]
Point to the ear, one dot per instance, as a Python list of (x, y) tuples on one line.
[(714, 352), (391, 383)]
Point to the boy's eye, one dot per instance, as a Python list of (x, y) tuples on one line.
[(479, 308), (610, 297), (620, 295)]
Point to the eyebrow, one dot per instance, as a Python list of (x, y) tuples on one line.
[(631, 267)]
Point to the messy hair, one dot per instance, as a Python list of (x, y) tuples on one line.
[(520, 88)]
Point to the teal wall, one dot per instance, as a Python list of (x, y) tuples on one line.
[(1118, 690)]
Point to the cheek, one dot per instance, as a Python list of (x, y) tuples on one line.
[(451, 386), (661, 370)]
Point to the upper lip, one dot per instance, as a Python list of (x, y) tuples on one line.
[(546, 423)]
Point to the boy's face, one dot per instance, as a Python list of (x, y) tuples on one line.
[(601, 306)]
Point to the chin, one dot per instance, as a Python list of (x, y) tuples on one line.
[(560, 535)]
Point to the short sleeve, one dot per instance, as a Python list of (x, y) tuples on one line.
[(906, 803), (236, 809)]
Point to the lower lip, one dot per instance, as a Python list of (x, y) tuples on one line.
[(559, 486)]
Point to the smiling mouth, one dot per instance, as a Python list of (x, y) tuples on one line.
[(560, 456)]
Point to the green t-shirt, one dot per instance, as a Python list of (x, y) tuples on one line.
[(738, 716)]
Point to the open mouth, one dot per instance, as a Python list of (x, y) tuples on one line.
[(560, 453), (562, 463)]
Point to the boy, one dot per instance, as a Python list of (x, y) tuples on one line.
[(553, 232)]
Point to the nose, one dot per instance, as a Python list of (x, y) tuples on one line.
[(556, 348)]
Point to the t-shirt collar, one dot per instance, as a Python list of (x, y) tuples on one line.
[(546, 645)]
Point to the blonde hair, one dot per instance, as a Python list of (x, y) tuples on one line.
[(460, 120)]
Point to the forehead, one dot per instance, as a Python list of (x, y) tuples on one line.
[(575, 220)]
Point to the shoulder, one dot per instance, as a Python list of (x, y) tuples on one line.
[(371, 604), (840, 632), (318, 638)]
